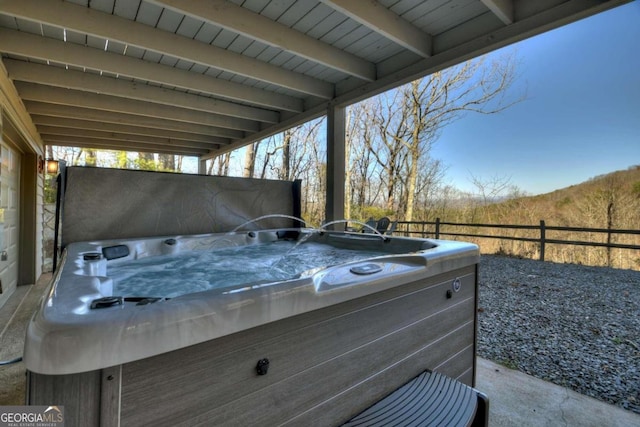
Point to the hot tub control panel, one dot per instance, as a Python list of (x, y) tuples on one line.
[(366, 272), (366, 269)]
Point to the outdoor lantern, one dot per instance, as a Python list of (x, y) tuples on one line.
[(52, 166)]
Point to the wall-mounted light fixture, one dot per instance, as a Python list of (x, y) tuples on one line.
[(53, 166)]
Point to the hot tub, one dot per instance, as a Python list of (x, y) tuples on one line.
[(314, 346)]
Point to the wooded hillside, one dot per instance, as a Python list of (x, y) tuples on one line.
[(610, 201)]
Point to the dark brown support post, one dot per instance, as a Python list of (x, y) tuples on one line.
[(437, 228), (542, 239), (334, 208), (609, 226)]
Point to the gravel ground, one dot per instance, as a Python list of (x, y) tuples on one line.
[(572, 325)]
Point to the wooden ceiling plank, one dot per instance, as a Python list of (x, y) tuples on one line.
[(257, 27), (37, 47), (61, 122), (111, 27), (383, 21), (503, 9), (118, 136), (55, 95), (70, 79), (71, 141), (66, 111)]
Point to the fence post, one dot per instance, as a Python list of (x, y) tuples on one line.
[(437, 228), (542, 239)]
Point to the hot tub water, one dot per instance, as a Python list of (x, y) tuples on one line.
[(170, 276)]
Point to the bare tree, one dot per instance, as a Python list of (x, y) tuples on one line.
[(315, 184), (429, 189), (167, 162), (408, 120), (487, 191), (384, 144), (223, 164), (271, 149), (604, 207), (90, 157), (250, 160), (361, 189), (219, 165), (286, 155), (285, 169), (146, 161)]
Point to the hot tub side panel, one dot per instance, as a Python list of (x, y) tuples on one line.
[(325, 366)]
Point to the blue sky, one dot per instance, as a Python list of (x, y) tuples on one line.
[(580, 117)]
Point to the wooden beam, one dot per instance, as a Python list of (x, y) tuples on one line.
[(503, 9), (61, 122), (67, 111), (111, 27), (335, 197), (46, 49), (383, 21), (257, 27), (123, 137), (54, 95), (89, 82), (107, 144), (296, 120)]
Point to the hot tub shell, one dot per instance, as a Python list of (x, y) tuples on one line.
[(335, 341), (314, 350)]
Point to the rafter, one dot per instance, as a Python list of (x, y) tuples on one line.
[(380, 19), (46, 49), (59, 77), (99, 24), (503, 9), (61, 122), (108, 144), (54, 95), (122, 137), (255, 26), (67, 111)]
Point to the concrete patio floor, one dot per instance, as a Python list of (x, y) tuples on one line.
[(516, 399)]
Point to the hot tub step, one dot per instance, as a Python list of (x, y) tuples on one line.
[(430, 399)]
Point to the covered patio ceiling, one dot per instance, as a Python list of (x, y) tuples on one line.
[(202, 78)]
